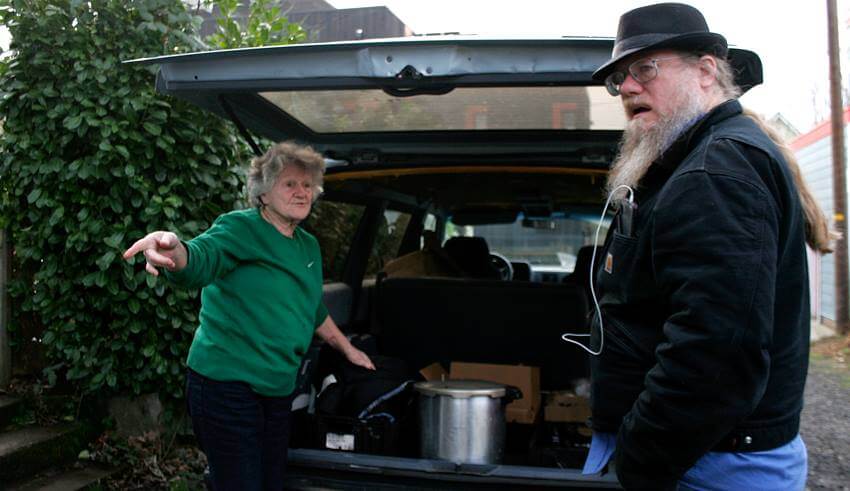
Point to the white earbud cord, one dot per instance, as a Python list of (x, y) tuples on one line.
[(567, 335)]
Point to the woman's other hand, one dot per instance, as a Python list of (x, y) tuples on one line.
[(329, 332), (161, 250), (359, 358)]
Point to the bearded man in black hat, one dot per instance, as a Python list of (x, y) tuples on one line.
[(703, 328)]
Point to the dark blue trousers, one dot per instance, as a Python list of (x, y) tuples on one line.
[(243, 434)]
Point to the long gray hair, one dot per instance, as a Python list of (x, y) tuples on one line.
[(818, 233), (266, 169)]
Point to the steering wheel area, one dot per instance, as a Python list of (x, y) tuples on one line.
[(501, 264)]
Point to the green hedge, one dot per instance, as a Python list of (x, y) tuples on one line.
[(91, 160)]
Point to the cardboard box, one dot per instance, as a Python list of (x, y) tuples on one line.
[(566, 407), (526, 378), (434, 371)]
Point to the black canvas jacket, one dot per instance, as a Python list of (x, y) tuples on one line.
[(705, 305)]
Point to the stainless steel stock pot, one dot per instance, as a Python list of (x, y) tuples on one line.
[(463, 420)]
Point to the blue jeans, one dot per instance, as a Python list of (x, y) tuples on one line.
[(243, 434), (782, 468)]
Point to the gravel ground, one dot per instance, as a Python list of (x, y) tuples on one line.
[(825, 425)]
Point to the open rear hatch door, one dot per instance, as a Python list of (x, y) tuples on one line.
[(413, 100)]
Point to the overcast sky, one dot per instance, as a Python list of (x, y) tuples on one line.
[(790, 36)]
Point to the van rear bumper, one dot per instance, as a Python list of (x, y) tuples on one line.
[(325, 469)]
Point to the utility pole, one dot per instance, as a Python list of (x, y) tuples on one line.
[(839, 175)]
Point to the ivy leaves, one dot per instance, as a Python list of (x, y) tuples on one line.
[(91, 158)]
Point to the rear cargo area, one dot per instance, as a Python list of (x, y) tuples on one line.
[(420, 329)]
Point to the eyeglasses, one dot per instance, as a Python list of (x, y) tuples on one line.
[(642, 71)]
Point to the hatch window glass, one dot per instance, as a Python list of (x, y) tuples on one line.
[(464, 108)]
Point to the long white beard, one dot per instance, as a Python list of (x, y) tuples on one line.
[(640, 146)]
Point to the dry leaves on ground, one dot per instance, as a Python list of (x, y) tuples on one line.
[(835, 349)]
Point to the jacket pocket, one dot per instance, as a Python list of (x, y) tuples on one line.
[(617, 267), (617, 379), (615, 334)]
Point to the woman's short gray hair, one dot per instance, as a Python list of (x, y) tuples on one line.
[(266, 168)]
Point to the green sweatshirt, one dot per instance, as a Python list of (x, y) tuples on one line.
[(260, 304)]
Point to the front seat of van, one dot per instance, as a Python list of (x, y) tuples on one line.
[(472, 255)]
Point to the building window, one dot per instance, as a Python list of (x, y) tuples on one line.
[(564, 116), (476, 117)]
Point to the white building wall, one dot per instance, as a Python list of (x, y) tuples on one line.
[(816, 164)]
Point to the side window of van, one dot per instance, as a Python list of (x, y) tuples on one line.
[(334, 224), (387, 241)]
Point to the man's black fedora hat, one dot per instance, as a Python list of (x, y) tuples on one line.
[(680, 27)]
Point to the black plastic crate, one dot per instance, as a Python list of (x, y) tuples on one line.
[(376, 435), (556, 444)]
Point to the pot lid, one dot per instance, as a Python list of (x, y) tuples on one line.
[(461, 388)]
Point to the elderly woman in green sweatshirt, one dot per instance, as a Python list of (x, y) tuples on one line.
[(261, 303)]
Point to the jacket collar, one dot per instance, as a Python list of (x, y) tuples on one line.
[(664, 166)]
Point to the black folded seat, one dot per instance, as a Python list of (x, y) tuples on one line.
[(426, 320)]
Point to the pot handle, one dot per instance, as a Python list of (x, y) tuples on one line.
[(511, 394)]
